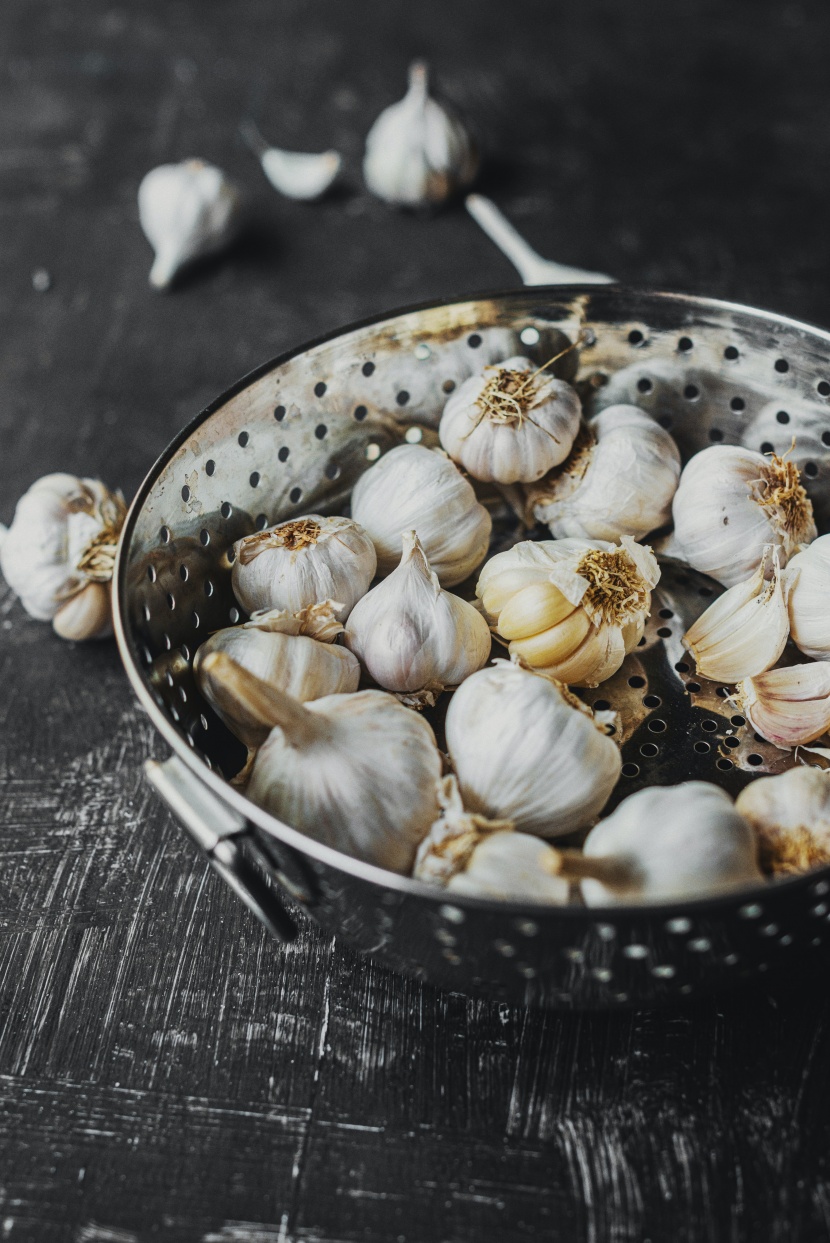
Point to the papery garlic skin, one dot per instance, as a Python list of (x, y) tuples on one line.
[(808, 575), (187, 211), (411, 635), (556, 603), (523, 750), (619, 479), (511, 424), (296, 564), (730, 503), (61, 542), (790, 814), (789, 707), (745, 630), (412, 488), (417, 152), (671, 842)]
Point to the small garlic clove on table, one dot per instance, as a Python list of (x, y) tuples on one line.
[(187, 211), (295, 174), (790, 814), (790, 707)]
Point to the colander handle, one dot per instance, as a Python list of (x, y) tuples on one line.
[(532, 268), (217, 830)]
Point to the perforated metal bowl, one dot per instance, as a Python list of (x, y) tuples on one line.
[(292, 438)]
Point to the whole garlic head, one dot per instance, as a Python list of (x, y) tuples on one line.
[(572, 608), (730, 503), (527, 751), (59, 552), (808, 575), (790, 814), (411, 635), (187, 211), (413, 488), (417, 151), (619, 479), (303, 562), (789, 707), (511, 424)]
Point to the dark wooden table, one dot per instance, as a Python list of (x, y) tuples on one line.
[(165, 1071)]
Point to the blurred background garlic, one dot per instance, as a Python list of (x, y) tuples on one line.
[(572, 608), (527, 751), (295, 174), (356, 772), (808, 576), (187, 211), (730, 503), (789, 707), (418, 153), (59, 552), (745, 630), (303, 562), (411, 636), (511, 424), (790, 814), (619, 479), (413, 488)]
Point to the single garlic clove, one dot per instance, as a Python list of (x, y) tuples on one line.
[(789, 707), (295, 174), (532, 610), (808, 574), (187, 211), (790, 814), (511, 867), (86, 615), (555, 644)]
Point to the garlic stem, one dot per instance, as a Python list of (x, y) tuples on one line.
[(616, 873), (234, 687)]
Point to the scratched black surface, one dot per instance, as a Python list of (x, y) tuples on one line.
[(165, 1072)]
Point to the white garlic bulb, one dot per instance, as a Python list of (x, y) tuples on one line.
[(619, 479), (667, 843), (411, 635), (356, 772), (59, 552), (730, 503), (276, 647), (790, 814), (745, 630), (417, 151), (303, 562), (187, 211), (295, 174), (511, 424), (413, 488), (789, 707), (526, 750), (808, 576), (573, 608)]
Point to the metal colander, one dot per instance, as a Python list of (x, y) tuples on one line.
[(292, 438)]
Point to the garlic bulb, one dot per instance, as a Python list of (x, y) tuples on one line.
[(295, 174), (730, 503), (417, 151), (808, 575), (789, 707), (511, 424), (59, 552), (619, 479), (276, 648), (303, 562), (790, 814), (525, 750), (667, 843), (411, 635), (187, 211), (356, 772), (572, 608), (413, 488), (745, 630)]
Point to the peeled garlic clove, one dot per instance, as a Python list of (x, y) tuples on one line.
[(730, 503), (619, 479), (790, 814), (511, 424), (295, 174), (525, 750), (413, 488), (417, 151), (86, 615), (667, 843), (808, 575), (411, 635), (745, 630), (356, 772), (187, 211), (300, 563), (789, 707)]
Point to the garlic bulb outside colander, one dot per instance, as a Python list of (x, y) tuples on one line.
[(511, 424), (730, 503), (572, 608), (302, 562), (356, 772), (808, 575), (413, 488), (525, 750), (790, 814), (619, 479), (187, 211), (789, 707)]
